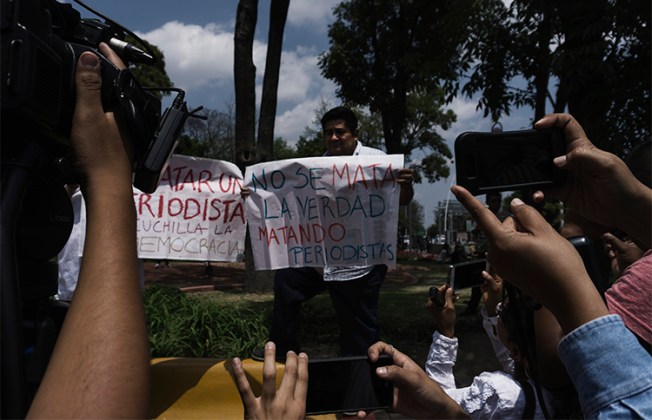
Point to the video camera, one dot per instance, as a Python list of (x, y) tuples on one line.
[(41, 42)]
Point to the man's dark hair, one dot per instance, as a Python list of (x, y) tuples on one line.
[(341, 113)]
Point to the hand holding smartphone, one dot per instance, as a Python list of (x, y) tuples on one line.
[(347, 384), (466, 274)]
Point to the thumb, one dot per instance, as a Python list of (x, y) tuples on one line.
[(402, 378), (449, 297), (527, 217), (89, 85), (616, 244)]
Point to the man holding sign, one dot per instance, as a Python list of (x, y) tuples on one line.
[(354, 289)]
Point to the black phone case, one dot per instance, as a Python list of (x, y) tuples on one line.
[(347, 384), (466, 274), (509, 161)]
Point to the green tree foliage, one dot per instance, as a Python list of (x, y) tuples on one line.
[(386, 54), (311, 142), (597, 54), (310, 146), (282, 150)]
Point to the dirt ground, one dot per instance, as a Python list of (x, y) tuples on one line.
[(192, 276), (474, 355)]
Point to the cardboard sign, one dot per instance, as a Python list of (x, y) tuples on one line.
[(336, 211), (196, 213)]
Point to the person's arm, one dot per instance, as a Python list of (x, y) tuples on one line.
[(100, 364), (492, 294), (289, 401), (405, 179), (489, 324), (441, 360), (443, 349), (600, 186), (415, 395)]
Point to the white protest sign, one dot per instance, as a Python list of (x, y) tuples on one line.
[(196, 213), (332, 210)]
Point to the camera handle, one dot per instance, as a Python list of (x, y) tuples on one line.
[(16, 176)]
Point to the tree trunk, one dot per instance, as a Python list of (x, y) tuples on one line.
[(248, 151), (244, 72), (277, 17)]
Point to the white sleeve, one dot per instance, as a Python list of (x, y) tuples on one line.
[(502, 353), (441, 360), (492, 395)]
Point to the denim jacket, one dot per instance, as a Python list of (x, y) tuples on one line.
[(610, 370)]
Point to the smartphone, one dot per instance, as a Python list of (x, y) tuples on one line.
[(467, 274), (509, 160), (347, 384)]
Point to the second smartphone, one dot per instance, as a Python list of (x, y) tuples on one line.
[(347, 384)]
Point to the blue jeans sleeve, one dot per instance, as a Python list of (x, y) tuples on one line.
[(610, 370)]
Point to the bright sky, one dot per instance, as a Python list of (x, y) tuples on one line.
[(196, 37)]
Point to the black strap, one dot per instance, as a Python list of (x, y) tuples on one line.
[(530, 400)]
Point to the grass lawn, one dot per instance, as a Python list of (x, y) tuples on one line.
[(404, 321)]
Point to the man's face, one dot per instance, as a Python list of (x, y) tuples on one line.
[(338, 139)]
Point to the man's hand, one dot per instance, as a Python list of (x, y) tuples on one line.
[(405, 180), (100, 152)]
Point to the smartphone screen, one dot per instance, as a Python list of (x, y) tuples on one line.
[(466, 274), (508, 161), (342, 384)]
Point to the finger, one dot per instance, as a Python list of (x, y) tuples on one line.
[(403, 378), (289, 380), (398, 358), (486, 219), (449, 298), (488, 280), (573, 131), (614, 243), (510, 223), (112, 56), (378, 348), (246, 394), (538, 196), (89, 87), (301, 388), (527, 218), (269, 372)]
